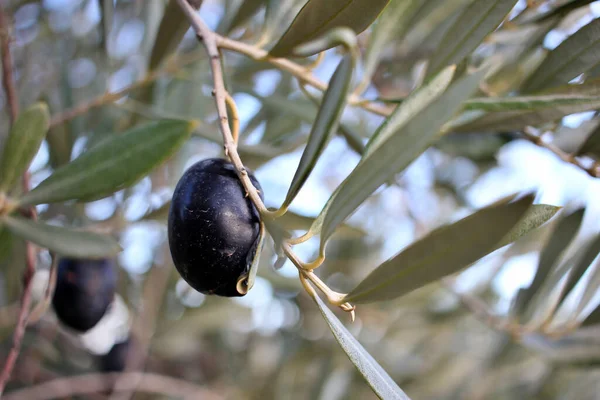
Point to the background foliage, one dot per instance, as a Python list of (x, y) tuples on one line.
[(434, 114)]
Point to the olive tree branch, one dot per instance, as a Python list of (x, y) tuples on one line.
[(530, 134), (97, 382), (13, 106), (211, 42)]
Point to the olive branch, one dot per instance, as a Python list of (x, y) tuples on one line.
[(212, 42)]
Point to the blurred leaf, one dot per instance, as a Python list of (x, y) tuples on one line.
[(591, 146), (480, 121), (24, 140), (591, 288), (369, 368), (64, 241), (320, 16), (159, 214), (410, 107), (173, 27), (444, 251), (574, 56), (475, 22), (293, 221), (392, 24), (395, 153), (563, 234), (246, 10), (117, 162), (584, 261), (593, 318), (5, 243), (529, 103), (325, 125), (557, 12)]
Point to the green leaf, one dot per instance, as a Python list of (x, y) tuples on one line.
[(584, 261), (561, 237), (325, 125), (24, 140), (593, 318), (410, 107), (445, 251), (392, 24), (381, 383), (5, 243), (516, 120), (475, 22), (395, 153), (574, 56), (67, 242), (317, 17), (530, 103), (171, 30), (246, 10), (118, 161), (536, 216)]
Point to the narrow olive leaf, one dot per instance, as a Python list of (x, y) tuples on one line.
[(591, 288), (536, 216), (400, 148), (118, 161), (325, 125), (392, 24), (593, 318), (379, 380), (5, 243), (529, 103), (561, 237), (319, 16), (584, 261), (475, 22), (171, 30), (246, 10), (516, 120), (574, 56), (591, 146), (445, 251), (63, 241), (410, 107), (22, 144)]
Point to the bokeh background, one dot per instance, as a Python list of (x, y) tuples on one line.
[(273, 342)]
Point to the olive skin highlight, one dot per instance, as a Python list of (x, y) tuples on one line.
[(214, 229), (84, 291)]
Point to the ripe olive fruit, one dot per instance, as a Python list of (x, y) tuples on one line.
[(84, 291), (215, 231)]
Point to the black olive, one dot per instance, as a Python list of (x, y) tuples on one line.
[(214, 229), (84, 291), (116, 359)]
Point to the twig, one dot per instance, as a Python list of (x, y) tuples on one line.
[(211, 42), (108, 98), (95, 383), (481, 311), (530, 134), (13, 105), (303, 73)]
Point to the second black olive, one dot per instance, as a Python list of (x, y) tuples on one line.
[(214, 229), (84, 291)]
